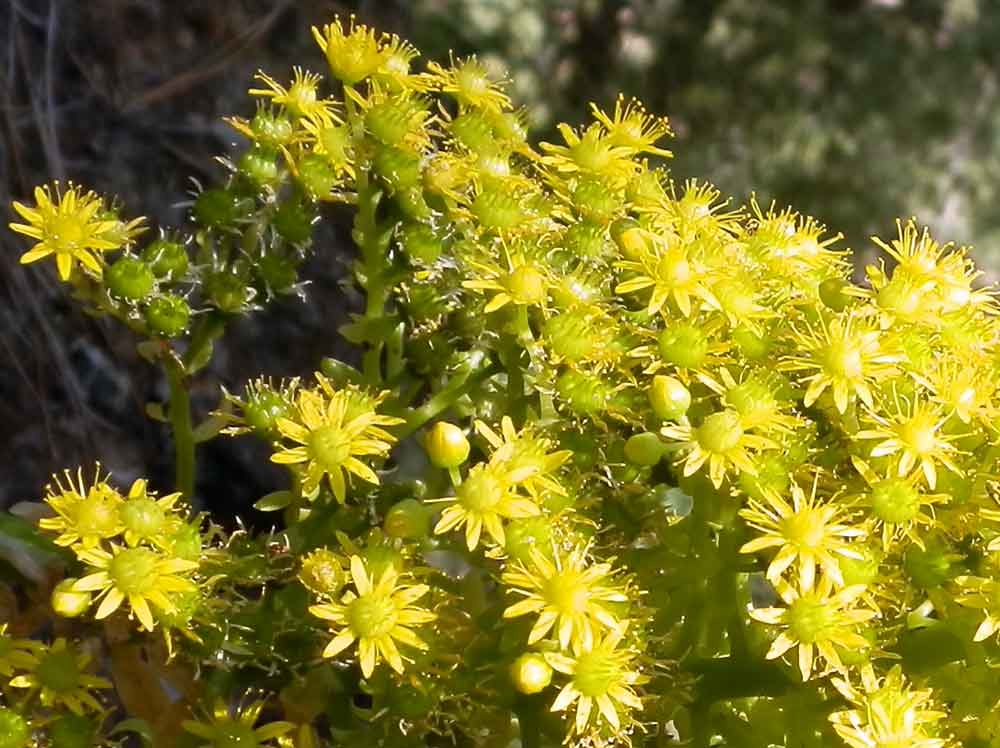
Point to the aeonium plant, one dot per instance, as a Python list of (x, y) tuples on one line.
[(620, 464)]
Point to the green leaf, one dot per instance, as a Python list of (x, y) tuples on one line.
[(209, 428), (274, 501), (27, 550), (156, 412), (138, 726)]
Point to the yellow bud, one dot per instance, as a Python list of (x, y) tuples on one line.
[(446, 445), (530, 673), (67, 602)]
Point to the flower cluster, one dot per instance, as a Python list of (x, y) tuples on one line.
[(137, 549), (679, 473)]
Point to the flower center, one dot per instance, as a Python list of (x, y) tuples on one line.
[(66, 232), (894, 501), (96, 515), (844, 360), (527, 285), (567, 593), (720, 432), (674, 271), (596, 672), (805, 529), (372, 616), (237, 735), (919, 434), (481, 492), (58, 671), (133, 571), (808, 618), (330, 446), (143, 517)]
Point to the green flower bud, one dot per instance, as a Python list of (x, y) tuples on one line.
[(525, 535), (644, 449), (259, 166), (391, 121), (227, 291), (420, 243), (129, 278), (398, 168), (929, 567), (14, 729), (684, 346), (412, 203), (270, 129), (72, 731), (595, 201), (629, 237), (531, 673), (68, 603), (168, 315), (293, 220), (219, 208), (831, 293), (168, 259), (316, 175), (474, 131), (669, 397), (446, 445), (409, 519), (586, 240), (582, 393), (753, 346), (497, 209), (279, 273)]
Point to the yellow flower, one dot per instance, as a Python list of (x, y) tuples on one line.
[(816, 619), (982, 594), (223, 727), (602, 675), (59, 675), (757, 397), (963, 387), (376, 617), (469, 83), (483, 500), (74, 227), (897, 505), (332, 428), (145, 518), (791, 245), (670, 272), (140, 576), (807, 533), (569, 593), (591, 152), (889, 714), (353, 53), (300, 97), (721, 441), (84, 515), (522, 282), (525, 456), (913, 432), (631, 126), (16, 654), (847, 355)]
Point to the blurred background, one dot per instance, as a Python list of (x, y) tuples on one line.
[(853, 111)]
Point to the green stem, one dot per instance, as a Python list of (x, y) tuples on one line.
[(531, 732), (445, 398), (180, 424)]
